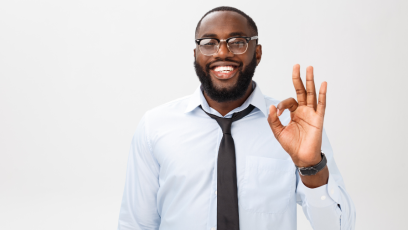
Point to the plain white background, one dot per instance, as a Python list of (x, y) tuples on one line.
[(76, 77)]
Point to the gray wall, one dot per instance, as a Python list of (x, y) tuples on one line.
[(76, 77)]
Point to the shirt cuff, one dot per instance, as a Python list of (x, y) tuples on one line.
[(322, 196)]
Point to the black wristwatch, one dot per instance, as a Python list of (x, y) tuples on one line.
[(310, 171)]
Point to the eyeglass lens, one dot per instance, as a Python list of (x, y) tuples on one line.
[(235, 45)]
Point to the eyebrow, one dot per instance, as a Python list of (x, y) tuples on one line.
[(209, 36), (233, 34)]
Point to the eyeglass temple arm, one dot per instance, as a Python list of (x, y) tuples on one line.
[(253, 38)]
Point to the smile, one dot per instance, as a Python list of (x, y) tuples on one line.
[(224, 72)]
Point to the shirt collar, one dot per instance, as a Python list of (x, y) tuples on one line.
[(256, 99)]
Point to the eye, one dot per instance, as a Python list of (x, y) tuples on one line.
[(208, 42), (237, 42)]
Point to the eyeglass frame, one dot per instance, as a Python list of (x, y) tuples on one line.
[(248, 39)]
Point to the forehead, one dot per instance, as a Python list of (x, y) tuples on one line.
[(223, 23)]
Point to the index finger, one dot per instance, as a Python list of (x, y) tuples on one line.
[(298, 84)]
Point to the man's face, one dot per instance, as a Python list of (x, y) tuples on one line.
[(222, 85)]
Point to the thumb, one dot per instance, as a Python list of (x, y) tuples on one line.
[(274, 122)]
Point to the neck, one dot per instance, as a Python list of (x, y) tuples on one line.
[(225, 107)]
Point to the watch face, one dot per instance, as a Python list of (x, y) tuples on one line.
[(308, 171)]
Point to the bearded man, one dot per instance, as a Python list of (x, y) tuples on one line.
[(227, 157)]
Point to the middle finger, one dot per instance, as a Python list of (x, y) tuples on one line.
[(310, 88)]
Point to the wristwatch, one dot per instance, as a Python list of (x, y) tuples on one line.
[(310, 171)]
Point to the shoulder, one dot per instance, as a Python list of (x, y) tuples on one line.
[(167, 112), (166, 119)]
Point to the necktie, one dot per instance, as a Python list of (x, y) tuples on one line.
[(227, 196)]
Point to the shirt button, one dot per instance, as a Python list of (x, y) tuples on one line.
[(215, 194), (213, 228), (323, 197)]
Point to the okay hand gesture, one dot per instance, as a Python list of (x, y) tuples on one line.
[(302, 137)]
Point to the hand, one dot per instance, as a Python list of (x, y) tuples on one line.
[(302, 137)]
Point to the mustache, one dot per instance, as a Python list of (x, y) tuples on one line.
[(207, 67)]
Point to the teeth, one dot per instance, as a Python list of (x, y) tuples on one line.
[(223, 69)]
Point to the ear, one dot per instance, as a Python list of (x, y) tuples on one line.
[(258, 52)]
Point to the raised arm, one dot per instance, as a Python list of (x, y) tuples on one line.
[(323, 196)]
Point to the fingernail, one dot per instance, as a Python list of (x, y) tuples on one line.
[(277, 112)]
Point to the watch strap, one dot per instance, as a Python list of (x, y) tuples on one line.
[(313, 170)]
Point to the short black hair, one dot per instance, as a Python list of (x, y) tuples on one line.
[(251, 22)]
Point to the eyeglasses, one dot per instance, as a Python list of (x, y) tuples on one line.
[(237, 45)]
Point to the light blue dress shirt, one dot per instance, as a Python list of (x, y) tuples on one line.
[(171, 179)]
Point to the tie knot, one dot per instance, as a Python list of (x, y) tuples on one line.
[(225, 124)]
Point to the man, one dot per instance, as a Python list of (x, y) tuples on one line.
[(222, 157)]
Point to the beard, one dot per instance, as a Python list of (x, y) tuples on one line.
[(232, 93)]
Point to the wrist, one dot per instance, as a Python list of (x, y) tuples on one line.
[(309, 162), (315, 181), (314, 169)]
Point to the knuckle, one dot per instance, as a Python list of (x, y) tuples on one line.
[(299, 91)]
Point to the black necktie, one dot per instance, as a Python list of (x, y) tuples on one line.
[(227, 196)]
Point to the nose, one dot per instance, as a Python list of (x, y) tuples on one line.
[(223, 51)]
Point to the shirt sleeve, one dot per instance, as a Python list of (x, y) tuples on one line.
[(328, 206), (138, 209)]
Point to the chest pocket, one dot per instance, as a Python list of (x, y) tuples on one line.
[(268, 184)]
